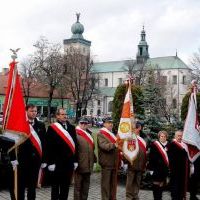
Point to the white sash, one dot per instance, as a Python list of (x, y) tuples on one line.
[(85, 134), (35, 140), (109, 134), (64, 134)]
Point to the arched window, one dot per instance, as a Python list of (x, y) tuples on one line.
[(110, 105), (98, 112)]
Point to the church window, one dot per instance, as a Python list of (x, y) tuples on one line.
[(174, 80), (110, 105), (120, 81), (140, 51), (163, 80), (184, 80), (106, 82), (98, 112), (174, 103), (98, 102)]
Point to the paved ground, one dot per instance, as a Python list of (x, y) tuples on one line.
[(94, 193)]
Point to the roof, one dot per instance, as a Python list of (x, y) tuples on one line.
[(168, 62), (163, 63), (37, 89), (107, 91), (111, 66)]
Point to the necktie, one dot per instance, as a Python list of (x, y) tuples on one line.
[(31, 123)]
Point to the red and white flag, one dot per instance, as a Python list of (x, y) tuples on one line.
[(126, 128), (191, 133), (15, 123)]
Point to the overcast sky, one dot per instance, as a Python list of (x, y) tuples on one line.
[(113, 26)]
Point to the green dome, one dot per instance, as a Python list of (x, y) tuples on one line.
[(77, 28)]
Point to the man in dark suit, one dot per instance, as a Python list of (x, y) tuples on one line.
[(159, 164), (179, 167), (62, 147), (30, 156)]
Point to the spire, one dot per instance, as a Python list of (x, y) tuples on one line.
[(142, 54), (78, 16)]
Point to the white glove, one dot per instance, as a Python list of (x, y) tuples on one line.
[(51, 168), (151, 172), (75, 166), (125, 167), (43, 165), (14, 164), (191, 169)]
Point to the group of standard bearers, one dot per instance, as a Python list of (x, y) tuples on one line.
[(68, 150)]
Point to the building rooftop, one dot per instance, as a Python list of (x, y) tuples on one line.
[(163, 63), (37, 89), (107, 91)]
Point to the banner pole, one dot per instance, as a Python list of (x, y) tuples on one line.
[(16, 177)]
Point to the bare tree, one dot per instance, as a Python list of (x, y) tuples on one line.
[(80, 80), (27, 71), (48, 61), (138, 71), (195, 64)]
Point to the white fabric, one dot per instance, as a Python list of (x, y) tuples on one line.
[(191, 134)]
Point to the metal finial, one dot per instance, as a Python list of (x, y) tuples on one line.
[(14, 55), (78, 16)]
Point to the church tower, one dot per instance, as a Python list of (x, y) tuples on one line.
[(77, 42), (143, 47)]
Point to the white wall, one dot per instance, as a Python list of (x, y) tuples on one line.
[(176, 91)]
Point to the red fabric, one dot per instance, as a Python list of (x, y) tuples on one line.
[(193, 152), (108, 136), (15, 119), (35, 142), (60, 133), (82, 134), (161, 150), (142, 146)]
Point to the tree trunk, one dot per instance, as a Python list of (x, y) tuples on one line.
[(78, 111), (49, 104)]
